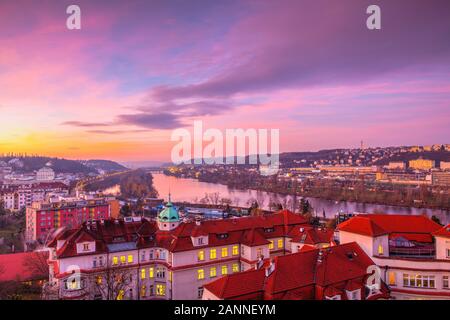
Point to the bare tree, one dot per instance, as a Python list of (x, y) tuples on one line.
[(113, 282), (36, 264)]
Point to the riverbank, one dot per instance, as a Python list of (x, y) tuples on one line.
[(195, 191), (421, 197)]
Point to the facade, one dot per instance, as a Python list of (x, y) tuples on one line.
[(422, 164), (45, 174), (445, 165), (17, 197), (336, 273), (399, 165), (165, 259), (440, 178), (44, 217), (413, 252)]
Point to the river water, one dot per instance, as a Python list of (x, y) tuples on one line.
[(192, 190)]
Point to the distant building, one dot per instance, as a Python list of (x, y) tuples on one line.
[(17, 197), (400, 165), (440, 178), (413, 252), (336, 273), (445, 165), (44, 217), (422, 164), (45, 174)]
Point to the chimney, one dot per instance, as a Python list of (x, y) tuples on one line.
[(260, 263), (320, 257), (270, 269)]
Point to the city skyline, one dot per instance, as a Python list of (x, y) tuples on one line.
[(136, 71)]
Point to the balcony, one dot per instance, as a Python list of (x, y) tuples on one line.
[(425, 252)]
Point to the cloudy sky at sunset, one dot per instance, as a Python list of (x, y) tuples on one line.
[(139, 69)]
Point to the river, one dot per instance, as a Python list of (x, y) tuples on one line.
[(192, 190)]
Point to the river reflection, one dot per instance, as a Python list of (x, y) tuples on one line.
[(191, 190)]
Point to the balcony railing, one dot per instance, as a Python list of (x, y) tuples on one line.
[(421, 252)]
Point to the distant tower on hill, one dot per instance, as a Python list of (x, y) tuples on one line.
[(362, 145)]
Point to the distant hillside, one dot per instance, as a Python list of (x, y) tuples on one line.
[(33, 163), (437, 156), (104, 165)]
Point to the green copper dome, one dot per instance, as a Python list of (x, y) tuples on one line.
[(169, 214)]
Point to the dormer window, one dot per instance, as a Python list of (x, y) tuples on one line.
[(86, 247), (200, 241), (222, 235), (268, 230)]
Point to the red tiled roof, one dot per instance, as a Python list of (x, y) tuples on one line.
[(311, 235), (378, 224), (250, 230), (443, 232), (253, 237), (362, 225), (238, 284), (416, 237), (15, 266), (342, 267)]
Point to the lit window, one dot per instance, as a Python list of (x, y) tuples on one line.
[(130, 258), (151, 273), (380, 250), (201, 255), (235, 250), (160, 290), (224, 252), (120, 295), (170, 276), (143, 291), (259, 253), (235, 267), (200, 274), (213, 254), (115, 260), (280, 243), (122, 259), (73, 284), (392, 278), (99, 280), (224, 270), (142, 273), (271, 245)]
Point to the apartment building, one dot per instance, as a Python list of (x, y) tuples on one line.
[(166, 258), (413, 252), (17, 197), (43, 217)]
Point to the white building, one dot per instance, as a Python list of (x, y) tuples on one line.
[(45, 174), (167, 259), (413, 252)]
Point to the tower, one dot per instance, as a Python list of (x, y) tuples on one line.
[(168, 218)]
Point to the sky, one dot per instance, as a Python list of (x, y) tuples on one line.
[(137, 70)]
